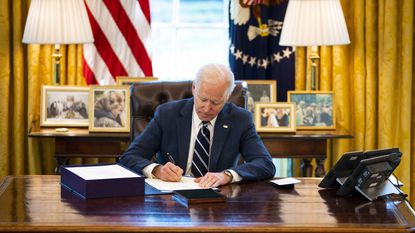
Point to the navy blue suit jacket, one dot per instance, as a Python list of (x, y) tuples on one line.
[(234, 135)]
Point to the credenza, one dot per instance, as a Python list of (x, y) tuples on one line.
[(78, 142)]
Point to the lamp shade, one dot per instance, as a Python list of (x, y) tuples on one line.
[(57, 22), (314, 22)]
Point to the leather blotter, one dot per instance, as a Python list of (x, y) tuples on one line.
[(193, 196)]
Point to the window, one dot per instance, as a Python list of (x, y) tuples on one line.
[(187, 34)]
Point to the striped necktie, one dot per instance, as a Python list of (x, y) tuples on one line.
[(201, 154)]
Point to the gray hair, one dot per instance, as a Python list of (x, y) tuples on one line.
[(214, 72)]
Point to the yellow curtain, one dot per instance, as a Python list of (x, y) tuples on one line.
[(372, 79), (25, 68)]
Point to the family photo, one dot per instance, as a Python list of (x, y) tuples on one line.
[(65, 106), (313, 109), (260, 91), (110, 107), (275, 117)]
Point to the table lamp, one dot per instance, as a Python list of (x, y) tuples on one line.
[(314, 23), (57, 22)]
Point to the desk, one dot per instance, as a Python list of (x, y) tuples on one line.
[(78, 142), (37, 204)]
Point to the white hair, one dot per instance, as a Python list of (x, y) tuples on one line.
[(213, 73)]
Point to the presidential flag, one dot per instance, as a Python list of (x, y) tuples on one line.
[(254, 29), (121, 30)]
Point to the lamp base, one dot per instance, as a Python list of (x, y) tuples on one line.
[(314, 57), (57, 66)]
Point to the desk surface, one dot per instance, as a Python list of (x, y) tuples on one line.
[(37, 203), (83, 132)]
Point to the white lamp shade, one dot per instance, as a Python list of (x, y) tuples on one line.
[(57, 22), (314, 22)]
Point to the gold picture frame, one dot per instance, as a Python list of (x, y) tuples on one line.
[(314, 109), (64, 106), (126, 80), (109, 108), (260, 91), (275, 117)]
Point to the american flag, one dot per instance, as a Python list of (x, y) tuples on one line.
[(121, 30), (252, 2)]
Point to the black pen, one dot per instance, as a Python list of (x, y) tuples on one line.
[(170, 158)]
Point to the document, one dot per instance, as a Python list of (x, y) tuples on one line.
[(185, 183), (102, 172), (285, 181)]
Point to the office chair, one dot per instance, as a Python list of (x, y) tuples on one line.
[(146, 96)]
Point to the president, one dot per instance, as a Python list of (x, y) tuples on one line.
[(203, 136)]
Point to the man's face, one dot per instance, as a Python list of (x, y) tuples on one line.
[(209, 99)]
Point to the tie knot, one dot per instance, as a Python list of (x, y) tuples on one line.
[(205, 123)]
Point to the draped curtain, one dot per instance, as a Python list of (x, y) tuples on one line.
[(372, 79), (24, 69)]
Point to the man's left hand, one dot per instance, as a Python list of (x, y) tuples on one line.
[(213, 179)]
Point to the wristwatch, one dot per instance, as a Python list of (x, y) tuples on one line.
[(228, 173)]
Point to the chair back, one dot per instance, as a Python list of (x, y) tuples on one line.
[(147, 96)]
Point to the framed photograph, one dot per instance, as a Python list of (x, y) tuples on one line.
[(127, 81), (314, 109), (64, 106), (110, 109), (261, 91), (275, 117)]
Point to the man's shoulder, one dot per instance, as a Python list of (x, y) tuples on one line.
[(231, 108)]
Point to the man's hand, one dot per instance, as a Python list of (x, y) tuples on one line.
[(168, 172), (213, 179)]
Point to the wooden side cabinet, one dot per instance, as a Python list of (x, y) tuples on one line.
[(306, 145), (79, 143)]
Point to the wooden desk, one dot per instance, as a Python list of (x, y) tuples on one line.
[(37, 204), (78, 142)]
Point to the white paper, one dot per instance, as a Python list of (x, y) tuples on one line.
[(100, 172), (185, 183), (395, 180), (285, 181)]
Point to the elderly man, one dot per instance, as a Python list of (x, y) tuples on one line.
[(203, 136)]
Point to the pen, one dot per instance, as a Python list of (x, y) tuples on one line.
[(170, 158)]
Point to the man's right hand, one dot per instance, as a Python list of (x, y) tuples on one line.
[(168, 172)]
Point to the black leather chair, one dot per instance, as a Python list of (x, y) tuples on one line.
[(146, 96)]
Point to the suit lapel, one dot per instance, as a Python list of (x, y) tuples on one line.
[(184, 127), (222, 127)]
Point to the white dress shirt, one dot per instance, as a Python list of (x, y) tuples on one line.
[(196, 125)]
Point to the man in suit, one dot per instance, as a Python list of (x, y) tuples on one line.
[(173, 135)]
